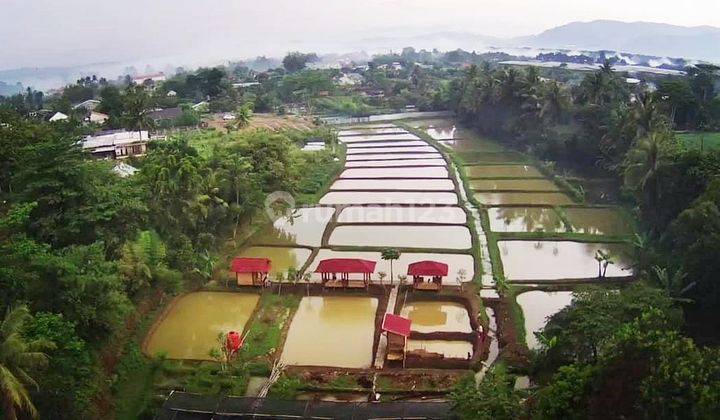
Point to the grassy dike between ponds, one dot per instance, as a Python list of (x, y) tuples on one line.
[(140, 382)]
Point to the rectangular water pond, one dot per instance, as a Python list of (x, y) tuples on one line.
[(513, 185), (395, 163), (450, 349), (394, 184), (282, 258), (492, 157), (190, 328), (598, 221), (394, 156), (502, 171), (379, 137), (402, 236), (537, 306), (556, 260), (468, 145), (399, 150), (434, 172), (371, 131), (525, 219), (304, 226), (387, 197), (386, 214), (432, 316), (332, 331), (512, 198), (383, 144), (455, 262)]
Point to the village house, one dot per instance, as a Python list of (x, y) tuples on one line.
[(117, 144), (167, 114), (89, 105), (58, 116), (97, 117)]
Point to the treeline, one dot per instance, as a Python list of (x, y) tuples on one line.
[(605, 126), (626, 353), (80, 247)]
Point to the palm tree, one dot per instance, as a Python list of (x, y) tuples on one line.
[(554, 102), (643, 161), (390, 254), (243, 116), (17, 355)]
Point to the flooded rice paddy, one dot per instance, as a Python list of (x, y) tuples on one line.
[(381, 137), (537, 306), (385, 214), (598, 221), (542, 198), (434, 172), (463, 145), (455, 262), (332, 331), (304, 227), (431, 316), (399, 150), (394, 156), (402, 236), (525, 219), (380, 197), (513, 185), (190, 328), (502, 171), (553, 260), (395, 163), (371, 131), (394, 184), (282, 258), (449, 348), (382, 144), (491, 157)]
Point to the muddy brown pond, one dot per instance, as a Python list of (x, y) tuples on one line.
[(332, 331), (431, 316), (190, 328)]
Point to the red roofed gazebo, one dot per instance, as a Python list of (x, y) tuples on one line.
[(398, 331), (250, 271), (432, 269), (330, 268)]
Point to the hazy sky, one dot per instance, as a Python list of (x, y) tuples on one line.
[(66, 32)]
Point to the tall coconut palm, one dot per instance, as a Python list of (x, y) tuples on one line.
[(17, 355)]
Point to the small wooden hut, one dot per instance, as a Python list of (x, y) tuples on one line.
[(397, 329), (427, 275), (250, 271), (335, 272)]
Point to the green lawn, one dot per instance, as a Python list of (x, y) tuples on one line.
[(696, 140)]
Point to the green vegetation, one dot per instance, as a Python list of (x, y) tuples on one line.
[(700, 140)]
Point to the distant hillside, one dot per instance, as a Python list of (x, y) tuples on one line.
[(700, 42)]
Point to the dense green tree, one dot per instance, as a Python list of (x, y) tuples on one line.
[(17, 356), (296, 61), (493, 398), (65, 385)]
